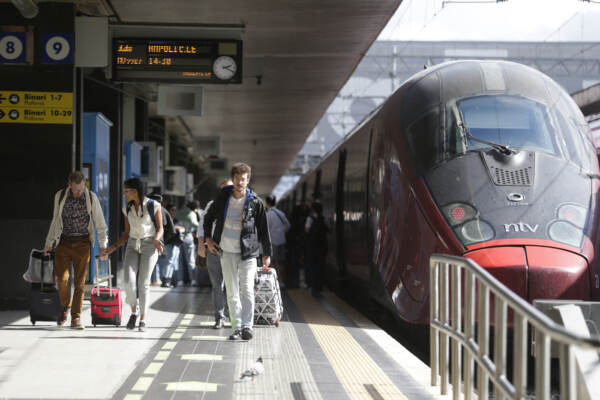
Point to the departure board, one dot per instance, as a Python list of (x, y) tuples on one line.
[(177, 60)]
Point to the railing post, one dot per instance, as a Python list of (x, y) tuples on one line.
[(568, 387), (520, 355), (499, 343), (434, 317), (469, 327), (444, 322), (456, 326), (483, 335), (542, 365)]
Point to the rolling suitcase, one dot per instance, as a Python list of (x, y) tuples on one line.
[(107, 302), (268, 306), (44, 303)]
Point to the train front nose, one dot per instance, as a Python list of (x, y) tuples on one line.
[(536, 272)]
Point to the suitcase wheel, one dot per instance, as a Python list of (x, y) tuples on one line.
[(277, 324), (94, 325), (32, 322)]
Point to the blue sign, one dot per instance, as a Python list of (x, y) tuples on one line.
[(57, 48), (12, 47)]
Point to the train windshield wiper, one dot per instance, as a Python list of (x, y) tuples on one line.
[(502, 148)]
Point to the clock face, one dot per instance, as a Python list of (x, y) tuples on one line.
[(224, 67)]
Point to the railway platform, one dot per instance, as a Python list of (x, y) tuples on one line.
[(322, 349)]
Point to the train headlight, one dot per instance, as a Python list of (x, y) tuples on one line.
[(564, 232), (568, 228), (464, 219), (573, 213), (475, 231), (458, 213)]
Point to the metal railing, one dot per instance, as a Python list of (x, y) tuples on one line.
[(449, 275)]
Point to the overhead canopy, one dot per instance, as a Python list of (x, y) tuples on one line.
[(303, 52)]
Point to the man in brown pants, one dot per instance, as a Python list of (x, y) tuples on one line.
[(76, 210)]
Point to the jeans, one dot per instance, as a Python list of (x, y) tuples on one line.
[(239, 280), (169, 261), (78, 252), (213, 264), (139, 261), (188, 259)]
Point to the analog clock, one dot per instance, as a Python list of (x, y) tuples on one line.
[(224, 67)]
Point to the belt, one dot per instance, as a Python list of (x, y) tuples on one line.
[(75, 238)]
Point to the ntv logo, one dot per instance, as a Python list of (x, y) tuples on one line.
[(520, 227)]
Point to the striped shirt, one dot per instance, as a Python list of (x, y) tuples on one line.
[(232, 229)]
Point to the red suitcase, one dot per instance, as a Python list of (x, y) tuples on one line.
[(107, 302)]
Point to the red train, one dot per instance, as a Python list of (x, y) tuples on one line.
[(490, 160)]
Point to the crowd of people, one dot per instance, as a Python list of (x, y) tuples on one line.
[(234, 234)]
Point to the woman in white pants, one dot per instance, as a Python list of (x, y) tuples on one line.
[(142, 234)]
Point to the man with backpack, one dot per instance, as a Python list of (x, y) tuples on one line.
[(213, 262), (76, 211), (278, 227), (170, 236), (240, 230)]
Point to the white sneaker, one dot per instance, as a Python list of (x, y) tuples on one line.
[(179, 283), (194, 283)]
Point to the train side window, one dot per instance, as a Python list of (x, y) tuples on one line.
[(424, 140)]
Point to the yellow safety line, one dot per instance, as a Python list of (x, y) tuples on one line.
[(153, 368), (350, 362)]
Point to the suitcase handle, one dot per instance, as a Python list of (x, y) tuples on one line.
[(109, 277), (42, 270)]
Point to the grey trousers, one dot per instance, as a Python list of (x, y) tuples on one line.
[(213, 262), (140, 259), (239, 280)]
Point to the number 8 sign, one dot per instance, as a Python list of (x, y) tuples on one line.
[(57, 48), (12, 47)]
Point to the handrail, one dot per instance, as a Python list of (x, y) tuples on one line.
[(446, 296)]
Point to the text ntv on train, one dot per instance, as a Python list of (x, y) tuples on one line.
[(490, 160)]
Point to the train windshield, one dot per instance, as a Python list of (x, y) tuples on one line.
[(515, 122)]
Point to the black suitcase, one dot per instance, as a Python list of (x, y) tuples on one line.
[(44, 303)]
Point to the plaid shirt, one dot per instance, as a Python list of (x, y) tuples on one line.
[(75, 217)]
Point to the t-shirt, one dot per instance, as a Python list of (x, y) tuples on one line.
[(232, 229)]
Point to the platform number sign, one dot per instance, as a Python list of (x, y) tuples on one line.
[(57, 48), (12, 47)]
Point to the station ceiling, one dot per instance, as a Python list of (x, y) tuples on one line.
[(304, 51)]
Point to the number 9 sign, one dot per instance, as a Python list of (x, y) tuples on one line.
[(57, 48), (12, 47)]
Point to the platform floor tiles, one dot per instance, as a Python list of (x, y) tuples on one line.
[(322, 349)]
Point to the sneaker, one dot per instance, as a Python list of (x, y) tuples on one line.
[(62, 318), (194, 283), (142, 327), (219, 324), (165, 283), (131, 323), (156, 283), (247, 334), (76, 324), (235, 335)]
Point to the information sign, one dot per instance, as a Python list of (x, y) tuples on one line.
[(178, 60), (57, 48), (12, 47), (18, 107)]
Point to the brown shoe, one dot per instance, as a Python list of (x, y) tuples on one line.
[(62, 318), (76, 324)]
